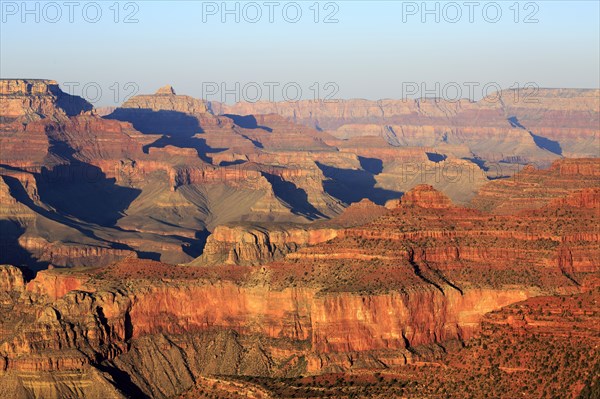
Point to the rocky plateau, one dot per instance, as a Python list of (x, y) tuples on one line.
[(177, 248)]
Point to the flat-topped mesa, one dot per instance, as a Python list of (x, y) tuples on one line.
[(33, 99), (30, 87), (423, 196), (165, 99), (166, 113), (253, 244)]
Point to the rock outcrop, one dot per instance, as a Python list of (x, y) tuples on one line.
[(254, 244), (533, 188), (512, 125), (26, 100), (369, 296), (157, 175), (11, 279), (424, 196), (165, 99), (209, 328), (79, 190), (509, 358), (168, 90)]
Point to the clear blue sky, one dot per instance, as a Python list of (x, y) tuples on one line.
[(369, 53)]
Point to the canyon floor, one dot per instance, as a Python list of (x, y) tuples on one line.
[(178, 248)]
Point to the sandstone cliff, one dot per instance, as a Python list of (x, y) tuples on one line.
[(254, 244), (251, 244), (529, 121), (28, 100), (533, 188), (423, 272), (201, 329)]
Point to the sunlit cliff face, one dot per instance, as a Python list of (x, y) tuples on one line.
[(181, 245)]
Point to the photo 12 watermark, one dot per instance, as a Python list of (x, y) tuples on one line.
[(453, 12), (491, 92), (99, 93), (455, 171), (252, 12), (54, 12), (253, 92)]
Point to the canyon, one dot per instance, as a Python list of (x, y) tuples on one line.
[(174, 247), (160, 173), (391, 292)]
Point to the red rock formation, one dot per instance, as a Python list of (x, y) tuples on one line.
[(33, 99), (71, 254), (358, 213), (54, 284), (533, 188), (104, 319), (166, 99), (260, 243), (509, 358), (369, 288), (254, 244), (11, 279), (58, 150), (207, 170), (425, 122), (584, 198), (425, 196), (422, 273)]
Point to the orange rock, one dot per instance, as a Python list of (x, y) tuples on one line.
[(425, 196)]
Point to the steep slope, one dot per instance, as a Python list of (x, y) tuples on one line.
[(26, 100), (377, 295), (83, 190), (252, 243), (157, 175), (533, 188), (513, 125), (510, 358)]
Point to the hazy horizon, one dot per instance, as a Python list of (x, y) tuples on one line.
[(356, 49), (299, 200)]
